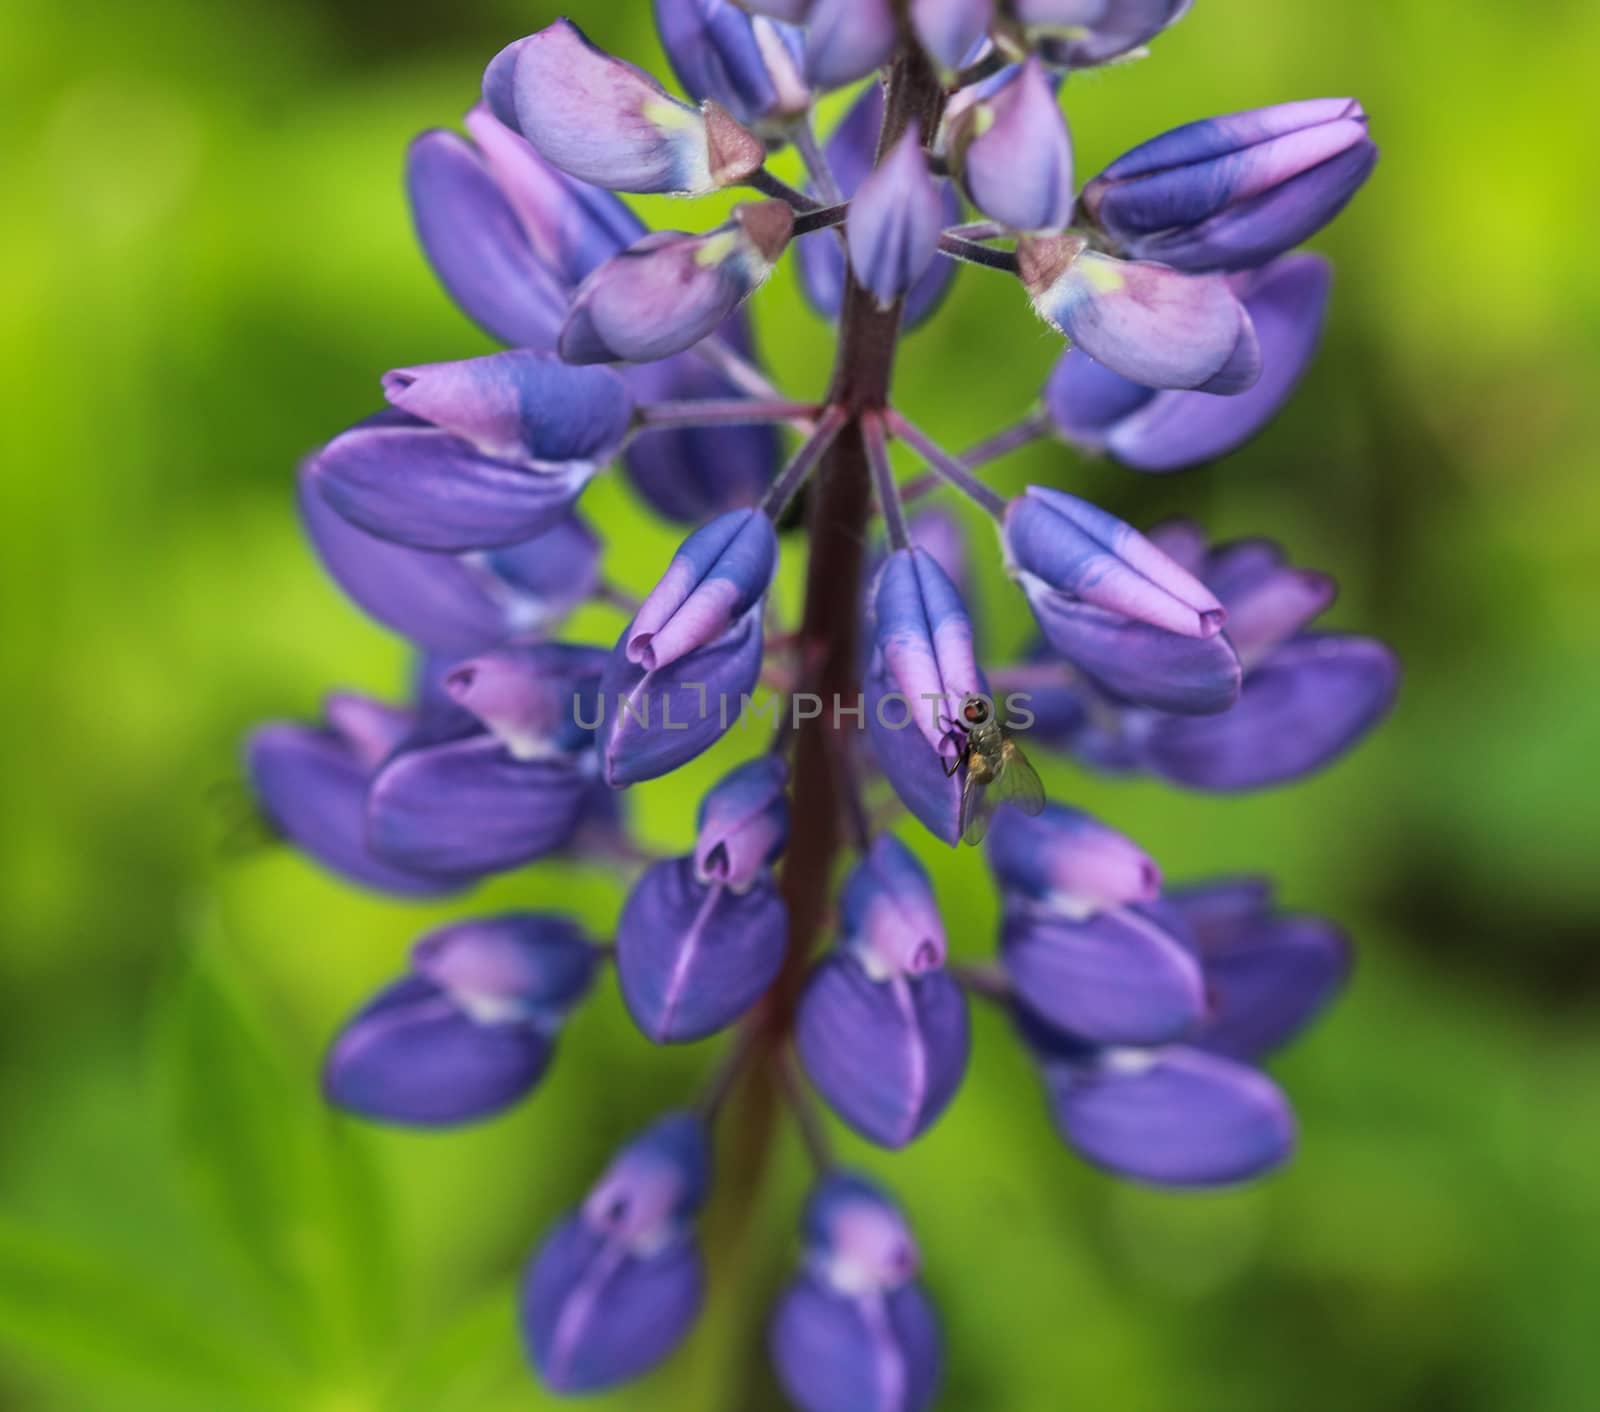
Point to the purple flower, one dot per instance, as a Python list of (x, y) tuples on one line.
[(311, 784), (604, 121), (450, 518), (749, 65), (1013, 153), (924, 638), (1153, 325), (533, 697), (1063, 547), (847, 40), (1173, 1116), (1115, 977), (951, 29), (1150, 430), (1231, 193), (882, 1028), (851, 151), (721, 571), (617, 1286), (1306, 697), (569, 225), (475, 241), (654, 720), (1065, 862), (472, 1027), (477, 455), (1269, 974), (447, 603), (1122, 611), (669, 290), (854, 1331), (895, 220), (1095, 31), (469, 806), (701, 938), (1083, 941), (744, 824)]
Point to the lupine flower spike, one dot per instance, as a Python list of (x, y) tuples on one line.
[(877, 725)]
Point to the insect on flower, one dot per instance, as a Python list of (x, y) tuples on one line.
[(992, 758)]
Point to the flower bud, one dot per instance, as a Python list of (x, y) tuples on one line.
[(693, 473), (402, 480), (1079, 34), (950, 29), (468, 806), (570, 225), (477, 245), (1174, 1116), (668, 291), (1115, 977), (1059, 546), (604, 121), (888, 914), (1013, 154), (895, 220), (470, 1031), (916, 771), (1302, 707), (544, 578), (1267, 599), (744, 824), (656, 720), (720, 572), (1156, 431), (854, 1332), (1064, 862), (693, 956), (882, 1028), (923, 634), (444, 603), (851, 151), (1141, 665), (535, 698), (617, 1286), (1231, 193), (1153, 325), (848, 39), (519, 406), (311, 784), (1268, 974), (749, 65)]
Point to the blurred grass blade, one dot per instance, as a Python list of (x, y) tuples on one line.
[(69, 1311)]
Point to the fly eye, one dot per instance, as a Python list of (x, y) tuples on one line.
[(975, 711)]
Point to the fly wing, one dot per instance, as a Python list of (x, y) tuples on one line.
[(1018, 782), (977, 801)]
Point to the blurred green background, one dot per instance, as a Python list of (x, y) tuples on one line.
[(207, 264)]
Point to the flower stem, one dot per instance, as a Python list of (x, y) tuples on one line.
[(794, 475), (959, 248), (821, 218), (816, 160), (1032, 428), (883, 486), (947, 466), (829, 628), (716, 411), (768, 185)]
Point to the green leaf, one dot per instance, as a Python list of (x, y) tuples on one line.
[(288, 1187)]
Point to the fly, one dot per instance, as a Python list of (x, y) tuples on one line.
[(992, 759)]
